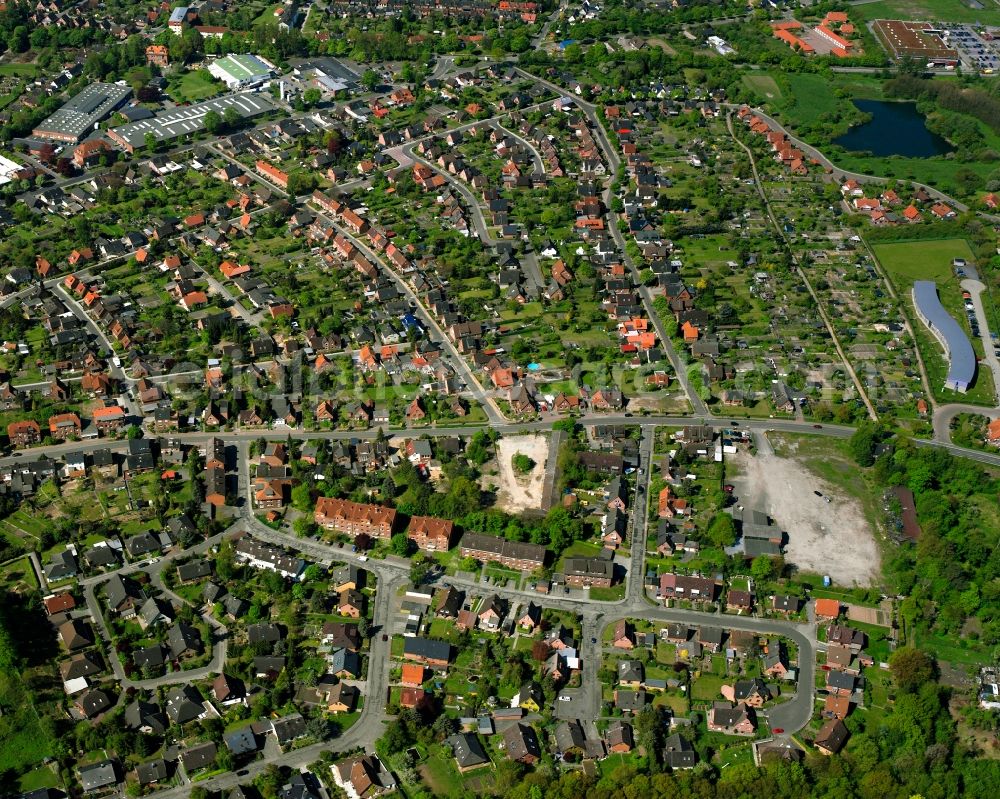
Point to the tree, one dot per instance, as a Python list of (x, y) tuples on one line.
[(224, 758), (18, 41), (762, 569), (864, 442), (480, 448), (231, 117), (370, 80), (150, 141), (911, 668), (213, 122), (311, 97), (302, 497), (401, 544), (722, 530), (419, 569), (364, 627)]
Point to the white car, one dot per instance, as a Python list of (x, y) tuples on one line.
[(565, 698)]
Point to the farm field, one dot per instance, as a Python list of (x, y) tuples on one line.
[(937, 10)]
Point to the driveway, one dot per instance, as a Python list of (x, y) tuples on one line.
[(976, 289)]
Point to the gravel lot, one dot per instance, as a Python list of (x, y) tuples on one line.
[(521, 492), (831, 538)]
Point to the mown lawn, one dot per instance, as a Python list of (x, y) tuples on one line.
[(707, 686), (612, 594), (907, 261), (764, 85), (441, 776), (194, 86), (19, 70), (41, 777)]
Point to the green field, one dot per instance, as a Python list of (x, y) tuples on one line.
[(812, 97), (194, 86), (933, 10), (19, 70), (763, 85), (907, 261), (25, 743)]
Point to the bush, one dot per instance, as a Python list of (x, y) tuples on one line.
[(522, 463)]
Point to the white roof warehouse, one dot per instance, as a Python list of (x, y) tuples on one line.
[(188, 120), (239, 71)]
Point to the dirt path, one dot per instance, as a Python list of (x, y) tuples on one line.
[(831, 538), (522, 492)]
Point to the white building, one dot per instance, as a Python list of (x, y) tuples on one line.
[(240, 71)]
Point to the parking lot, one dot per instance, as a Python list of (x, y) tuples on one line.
[(977, 48)]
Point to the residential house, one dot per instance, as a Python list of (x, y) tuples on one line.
[(521, 744), (732, 720), (678, 753), (618, 737), (427, 651), (831, 737), (513, 554), (623, 636)]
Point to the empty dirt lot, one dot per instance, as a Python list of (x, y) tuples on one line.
[(831, 538), (519, 493)]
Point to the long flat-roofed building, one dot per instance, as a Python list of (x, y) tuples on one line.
[(83, 112), (189, 120), (957, 347)]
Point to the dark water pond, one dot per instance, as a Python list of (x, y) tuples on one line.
[(894, 129)]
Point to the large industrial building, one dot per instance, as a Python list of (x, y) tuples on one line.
[(957, 348), (188, 120), (82, 113), (240, 71)]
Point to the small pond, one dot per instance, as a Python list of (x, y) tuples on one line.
[(894, 129)]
